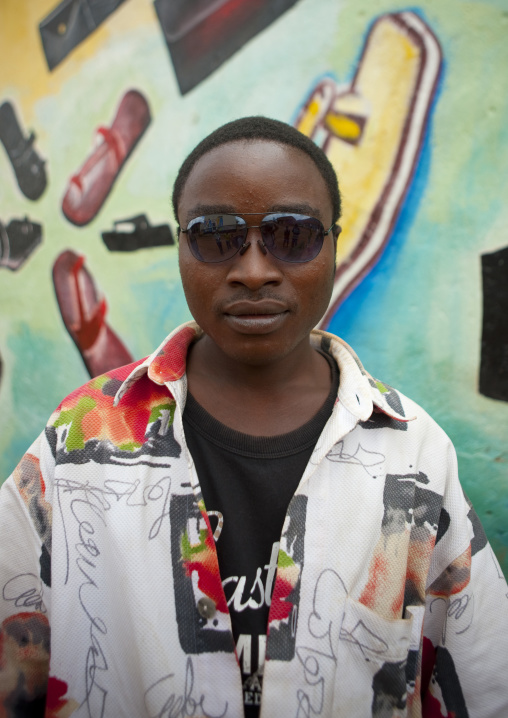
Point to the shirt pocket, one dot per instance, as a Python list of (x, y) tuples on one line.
[(372, 657)]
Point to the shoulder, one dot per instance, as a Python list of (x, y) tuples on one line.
[(418, 422), (385, 406), (98, 393), (108, 415)]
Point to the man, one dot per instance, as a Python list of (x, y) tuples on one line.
[(249, 486)]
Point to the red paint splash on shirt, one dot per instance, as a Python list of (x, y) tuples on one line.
[(281, 608), (54, 697), (209, 582), (378, 573), (431, 708), (171, 362), (398, 602)]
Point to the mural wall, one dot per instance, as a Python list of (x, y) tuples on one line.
[(101, 102)]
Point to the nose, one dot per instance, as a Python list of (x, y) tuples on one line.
[(254, 266)]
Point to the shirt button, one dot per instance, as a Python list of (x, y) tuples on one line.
[(206, 607)]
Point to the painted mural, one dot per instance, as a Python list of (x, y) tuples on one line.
[(372, 132), (101, 102)]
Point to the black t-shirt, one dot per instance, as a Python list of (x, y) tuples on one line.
[(247, 484)]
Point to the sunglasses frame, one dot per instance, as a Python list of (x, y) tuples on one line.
[(262, 244)]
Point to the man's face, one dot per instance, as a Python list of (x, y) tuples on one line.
[(255, 308)]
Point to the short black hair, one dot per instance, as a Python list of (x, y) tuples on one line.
[(260, 128)]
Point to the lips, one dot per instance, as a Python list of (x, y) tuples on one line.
[(260, 317), (259, 308)]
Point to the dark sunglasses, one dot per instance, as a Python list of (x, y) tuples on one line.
[(287, 236)]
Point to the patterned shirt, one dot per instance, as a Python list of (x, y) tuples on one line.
[(387, 598)]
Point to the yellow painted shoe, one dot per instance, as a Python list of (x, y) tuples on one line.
[(372, 132)]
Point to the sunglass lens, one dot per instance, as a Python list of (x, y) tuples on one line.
[(214, 238), (293, 238)]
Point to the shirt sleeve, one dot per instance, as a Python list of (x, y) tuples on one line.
[(25, 579), (465, 638)]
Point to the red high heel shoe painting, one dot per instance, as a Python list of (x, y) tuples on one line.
[(87, 190), (84, 315)]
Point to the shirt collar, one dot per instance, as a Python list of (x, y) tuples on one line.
[(359, 392)]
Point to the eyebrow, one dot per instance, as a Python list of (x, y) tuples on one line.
[(200, 209), (297, 208)]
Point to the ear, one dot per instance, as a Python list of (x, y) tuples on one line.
[(336, 230)]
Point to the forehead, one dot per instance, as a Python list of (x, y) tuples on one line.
[(258, 176)]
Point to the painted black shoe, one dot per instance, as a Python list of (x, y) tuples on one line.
[(17, 242), (27, 164), (71, 22), (140, 235)]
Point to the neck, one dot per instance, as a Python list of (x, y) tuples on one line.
[(259, 400), (302, 366)]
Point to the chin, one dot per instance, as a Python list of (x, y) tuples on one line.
[(259, 353)]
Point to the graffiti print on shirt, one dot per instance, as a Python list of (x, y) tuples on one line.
[(88, 427), (283, 616), (410, 518), (378, 420), (201, 609), (30, 483), (389, 688), (442, 694), (24, 664), (454, 578), (479, 540)]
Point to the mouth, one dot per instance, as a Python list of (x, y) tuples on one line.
[(256, 317), (264, 307)]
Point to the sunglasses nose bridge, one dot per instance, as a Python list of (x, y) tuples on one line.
[(256, 228), (255, 266), (254, 235)]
